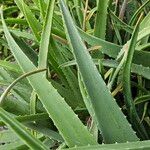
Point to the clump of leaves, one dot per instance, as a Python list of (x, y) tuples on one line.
[(74, 74)]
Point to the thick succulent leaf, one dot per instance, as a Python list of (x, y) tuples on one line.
[(32, 21), (142, 145), (28, 118), (8, 136), (102, 102), (101, 19), (29, 52), (10, 66), (134, 118), (146, 22), (20, 130), (68, 73), (136, 14), (108, 48), (138, 69), (45, 38), (12, 145), (55, 105), (112, 50), (45, 131)]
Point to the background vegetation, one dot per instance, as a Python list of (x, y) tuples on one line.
[(74, 74)]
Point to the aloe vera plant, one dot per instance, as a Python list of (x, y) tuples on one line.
[(74, 74)]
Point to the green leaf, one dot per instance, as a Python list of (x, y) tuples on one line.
[(139, 10), (29, 52), (20, 130), (54, 104), (10, 66), (32, 21), (138, 69), (112, 50), (68, 73), (45, 38), (144, 145), (110, 119), (101, 19), (135, 120), (141, 99)]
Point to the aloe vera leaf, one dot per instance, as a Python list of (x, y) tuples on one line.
[(54, 104), (113, 50), (101, 19), (29, 52), (145, 145), (16, 21), (123, 51), (141, 99), (143, 47), (102, 102), (145, 22), (16, 145), (28, 118), (15, 106), (93, 129), (138, 69), (135, 120), (42, 6), (10, 9), (45, 38), (139, 10), (3, 96), (52, 61), (33, 101), (64, 92), (78, 6), (68, 73), (36, 127), (141, 35), (32, 21), (108, 48), (8, 136), (85, 95), (20, 130), (45, 131), (10, 66), (120, 23), (17, 91), (55, 30), (21, 34), (12, 145), (118, 36)]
